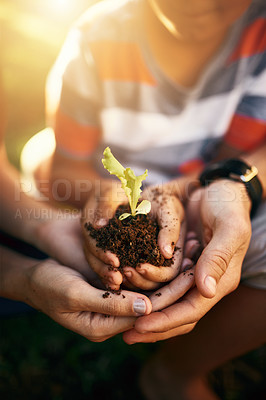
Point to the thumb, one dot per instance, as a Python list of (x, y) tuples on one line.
[(214, 261), (111, 198), (122, 303)]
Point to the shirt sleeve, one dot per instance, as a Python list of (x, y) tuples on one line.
[(247, 130)]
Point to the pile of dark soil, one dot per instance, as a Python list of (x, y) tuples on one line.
[(133, 240)]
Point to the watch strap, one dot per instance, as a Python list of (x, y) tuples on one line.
[(239, 171)]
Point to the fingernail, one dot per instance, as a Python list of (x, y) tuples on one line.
[(139, 306), (211, 284), (194, 252), (113, 260), (186, 264), (128, 274), (169, 250), (191, 235), (186, 261), (101, 222)]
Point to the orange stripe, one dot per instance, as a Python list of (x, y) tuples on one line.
[(75, 138), (245, 133), (120, 61), (253, 41), (190, 166)]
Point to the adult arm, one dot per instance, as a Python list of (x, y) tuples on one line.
[(65, 296)]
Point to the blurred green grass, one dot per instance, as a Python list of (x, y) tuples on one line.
[(41, 360), (38, 358)]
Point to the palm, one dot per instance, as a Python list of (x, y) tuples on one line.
[(62, 239)]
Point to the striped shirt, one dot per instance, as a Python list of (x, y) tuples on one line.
[(106, 89)]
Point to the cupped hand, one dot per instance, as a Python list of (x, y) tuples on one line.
[(101, 207), (168, 211), (65, 296), (61, 238), (220, 215)]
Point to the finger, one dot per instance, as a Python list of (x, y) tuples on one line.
[(109, 275), (191, 235), (162, 273), (189, 310), (105, 256), (124, 303), (192, 249), (169, 216), (95, 327), (187, 263), (132, 336), (172, 292), (190, 245), (101, 208), (214, 260), (138, 281)]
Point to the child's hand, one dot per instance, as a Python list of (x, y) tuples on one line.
[(168, 211), (220, 215)]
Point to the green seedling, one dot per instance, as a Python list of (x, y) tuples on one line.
[(130, 183)]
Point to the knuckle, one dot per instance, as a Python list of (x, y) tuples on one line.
[(243, 228), (219, 260), (97, 339), (154, 339), (189, 328), (235, 283), (112, 307), (234, 286), (96, 329)]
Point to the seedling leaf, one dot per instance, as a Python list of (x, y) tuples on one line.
[(130, 183), (144, 207), (124, 216)]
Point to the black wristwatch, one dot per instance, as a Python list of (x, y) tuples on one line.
[(239, 171)]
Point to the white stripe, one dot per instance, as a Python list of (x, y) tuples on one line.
[(208, 118), (257, 85)]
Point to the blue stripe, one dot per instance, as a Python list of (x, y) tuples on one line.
[(254, 107), (261, 66)]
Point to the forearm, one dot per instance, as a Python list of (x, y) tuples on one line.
[(20, 214), (14, 274), (183, 186)]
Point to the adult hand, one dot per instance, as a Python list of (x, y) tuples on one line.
[(65, 296), (220, 215), (99, 208), (61, 238), (169, 213)]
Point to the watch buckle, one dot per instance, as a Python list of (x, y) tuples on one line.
[(249, 174)]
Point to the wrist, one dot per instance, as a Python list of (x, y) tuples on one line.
[(235, 170), (227, 191), (184, 186), (15, 275), (36, 217)]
